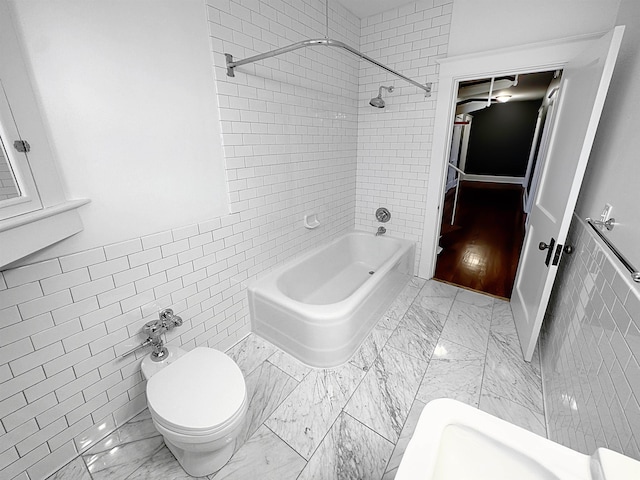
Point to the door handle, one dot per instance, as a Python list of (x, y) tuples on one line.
[(568, 249), (549, 247)]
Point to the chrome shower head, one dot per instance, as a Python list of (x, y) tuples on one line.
[(378, 102)]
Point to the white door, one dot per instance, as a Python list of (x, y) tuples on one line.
[(532, 186), (535, 151), (454, 156), (584, 87)]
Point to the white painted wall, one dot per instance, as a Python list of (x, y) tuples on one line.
[(127, 92), (481, 25), (613, 175)]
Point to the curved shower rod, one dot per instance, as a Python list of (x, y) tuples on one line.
[(231, 64)]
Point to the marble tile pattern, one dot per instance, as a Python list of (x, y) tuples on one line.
[(454, 372), (355, 420)]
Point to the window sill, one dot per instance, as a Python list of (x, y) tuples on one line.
[(25, 234)]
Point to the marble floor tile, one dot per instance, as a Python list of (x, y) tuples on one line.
[(250, 352), (307, 414), (290, 365), (349, 451), (401, 304), (74, 470), (264, 456), (267, 387), (502, 323), (161, 465), (373, 344), (118, 461), (138, 428), (507, 375), (418, 332), (403, 441), (513, 412), (454, 372), (437, 296), (474, 298), (383, 400), (468, 325)]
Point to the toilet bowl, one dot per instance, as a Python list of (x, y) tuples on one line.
[(455, 441), (198, 402)]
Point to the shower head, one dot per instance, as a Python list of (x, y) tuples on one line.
[(378, 102)]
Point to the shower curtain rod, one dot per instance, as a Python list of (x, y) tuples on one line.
[(231, 64)]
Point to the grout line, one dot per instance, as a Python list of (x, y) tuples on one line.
[(283, 441), (484, 367), (544, 398), (395, 444), (162, 445)]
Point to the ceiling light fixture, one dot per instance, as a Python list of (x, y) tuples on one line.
[(503, 98)]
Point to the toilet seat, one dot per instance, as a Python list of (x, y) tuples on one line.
[(200, 394), (179, 431)]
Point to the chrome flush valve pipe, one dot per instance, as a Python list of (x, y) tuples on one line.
[(154, 330)]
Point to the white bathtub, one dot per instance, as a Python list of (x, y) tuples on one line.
[(321, 306)]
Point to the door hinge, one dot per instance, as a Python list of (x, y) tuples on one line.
[(22, 146)]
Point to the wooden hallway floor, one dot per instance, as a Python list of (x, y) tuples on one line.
[(482, 248)]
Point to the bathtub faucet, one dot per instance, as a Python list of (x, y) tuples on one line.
[(381, 231)]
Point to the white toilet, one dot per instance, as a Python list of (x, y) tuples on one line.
[(454, 440), (198, 402)]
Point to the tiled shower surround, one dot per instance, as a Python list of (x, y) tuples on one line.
[(590, 351), (394, 143), (291, 137)]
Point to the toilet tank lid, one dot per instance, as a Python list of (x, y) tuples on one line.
[(199, 391)]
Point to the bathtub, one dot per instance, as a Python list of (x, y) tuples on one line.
[(321, 306)]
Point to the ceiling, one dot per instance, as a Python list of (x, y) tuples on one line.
[(473, 95), (366, 8), (530, 86)]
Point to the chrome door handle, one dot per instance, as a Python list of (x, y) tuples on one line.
[(544, 246), (568, 249)]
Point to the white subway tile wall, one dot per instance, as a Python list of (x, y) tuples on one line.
[(394, 143), (590, 351), (290, 137)]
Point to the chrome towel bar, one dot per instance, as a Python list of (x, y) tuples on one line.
[(635, 274)]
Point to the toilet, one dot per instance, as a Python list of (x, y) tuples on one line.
[(455, 440), (198, 402)]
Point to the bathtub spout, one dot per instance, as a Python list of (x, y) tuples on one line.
[(381, 231)]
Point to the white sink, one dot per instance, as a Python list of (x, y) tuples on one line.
[(455, 441)]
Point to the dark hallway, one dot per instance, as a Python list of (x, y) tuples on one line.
[(481, 250)]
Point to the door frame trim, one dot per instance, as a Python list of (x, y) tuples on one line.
[(522, 59)]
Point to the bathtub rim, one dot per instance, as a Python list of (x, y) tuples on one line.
[(319, 312)]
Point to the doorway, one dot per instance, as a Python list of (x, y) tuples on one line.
[(587, 63), (499, 132)]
